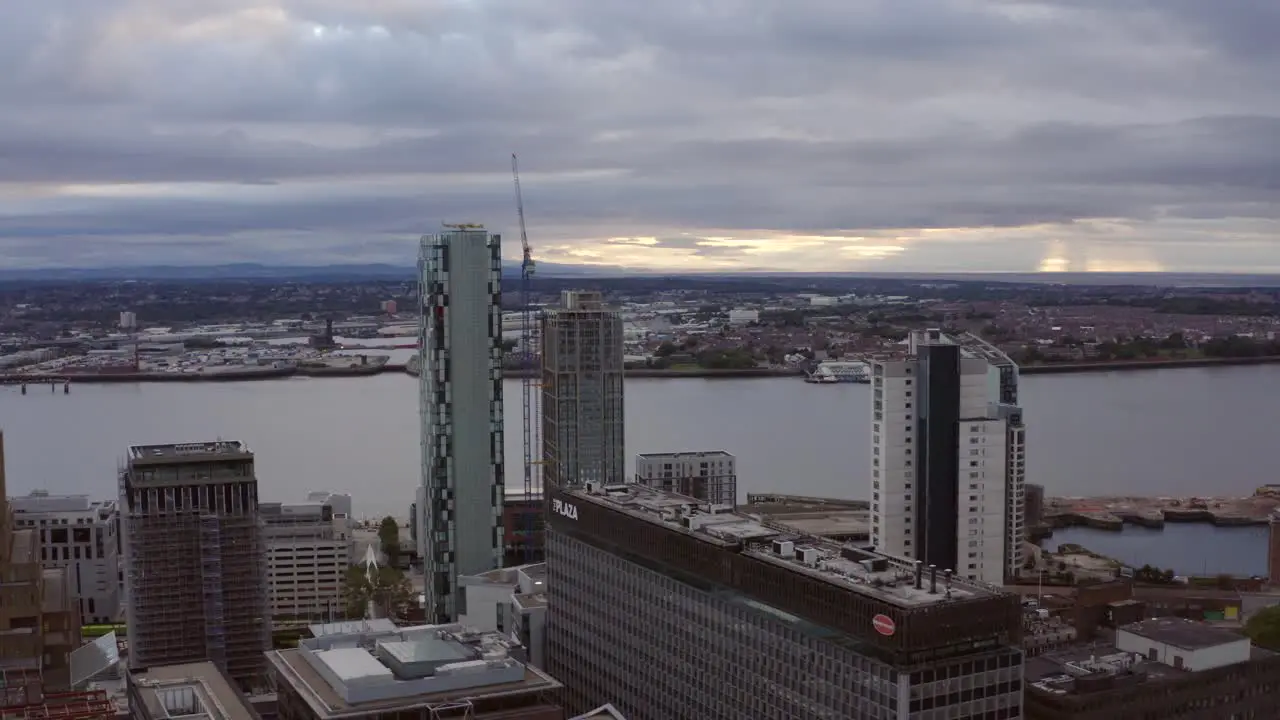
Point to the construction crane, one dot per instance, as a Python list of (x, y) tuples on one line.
[(528, 382)]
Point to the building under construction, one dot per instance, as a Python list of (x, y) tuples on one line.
[(195, 568), (582, 396), (39, 618)]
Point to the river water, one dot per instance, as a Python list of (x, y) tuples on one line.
[(1203, 431)]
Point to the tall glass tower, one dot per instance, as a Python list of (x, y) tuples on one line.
[(582, 393), (459, 502)]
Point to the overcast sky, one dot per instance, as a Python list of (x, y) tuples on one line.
[(912, 135)]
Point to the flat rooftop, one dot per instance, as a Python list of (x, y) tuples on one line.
[(848, 519), (530, 601), (1055, 672), (1105, 666), (884, 577), (970, 345), (214, 451), (404, 669), (690, 454), (193, 691), (1182, 633)]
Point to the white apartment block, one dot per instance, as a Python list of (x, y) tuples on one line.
[(309, 549), (82, 536), (711, 476), (947, 457)]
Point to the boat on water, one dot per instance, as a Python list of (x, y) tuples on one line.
[(834, 371)]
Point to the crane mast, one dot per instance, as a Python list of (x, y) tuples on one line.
[(528, 382)]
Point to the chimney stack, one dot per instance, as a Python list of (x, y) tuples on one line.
[(919, 575), (933, 579)]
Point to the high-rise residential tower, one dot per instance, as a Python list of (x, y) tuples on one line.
[(948, 460), (460, 500), (582, 369), (194, 561)]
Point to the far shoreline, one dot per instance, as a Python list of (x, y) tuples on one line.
[(653, 373)]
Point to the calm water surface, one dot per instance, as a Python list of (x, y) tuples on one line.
[(1168, 432), (1186, 549)]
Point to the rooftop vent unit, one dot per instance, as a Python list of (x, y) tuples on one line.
[(785, 548), (875, 565), (807, 555)]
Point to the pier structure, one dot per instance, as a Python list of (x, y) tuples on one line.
[(53, 380)]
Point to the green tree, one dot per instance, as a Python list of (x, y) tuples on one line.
[(1264, 628), (390, 592), (389, 539)]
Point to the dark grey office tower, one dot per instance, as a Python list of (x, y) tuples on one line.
[(582, 407), (669, 611), (194, 562)]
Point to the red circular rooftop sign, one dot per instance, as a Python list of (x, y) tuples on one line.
[(884, 625)]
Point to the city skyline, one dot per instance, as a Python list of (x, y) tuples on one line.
[(914, 137)]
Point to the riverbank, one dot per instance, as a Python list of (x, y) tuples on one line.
[(667, 373), (1155, 364), (233, 375)]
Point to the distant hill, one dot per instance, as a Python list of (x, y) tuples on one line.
[(254, 271)]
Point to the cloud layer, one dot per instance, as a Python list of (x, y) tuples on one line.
[(735, 134)]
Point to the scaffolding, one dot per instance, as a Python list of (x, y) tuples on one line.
[(194, 555), (215, 643)]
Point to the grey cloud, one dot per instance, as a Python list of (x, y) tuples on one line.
[(813, 116)]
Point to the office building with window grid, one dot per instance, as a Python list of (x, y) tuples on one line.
[(668, 610)]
